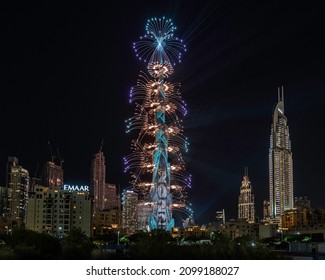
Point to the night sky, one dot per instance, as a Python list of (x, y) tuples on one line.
[(66, 75)]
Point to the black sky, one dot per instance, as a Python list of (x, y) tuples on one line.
[(66, 74)]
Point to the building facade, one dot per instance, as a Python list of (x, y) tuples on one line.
[(18, 186), (280, 163), (98, 177), (246, 205), (266, 211), (106, 221), (143, 216), (302, 201), (52, 175), (3, 201), (234, 229), (129, 211), (303, 218), (56, 212), (111, 199)]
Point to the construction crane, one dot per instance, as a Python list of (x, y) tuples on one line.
[(35, 174), (60, 159), (52, 157)]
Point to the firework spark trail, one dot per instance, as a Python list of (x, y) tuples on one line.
[(156, 163)]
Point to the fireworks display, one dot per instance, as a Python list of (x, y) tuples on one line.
[(156, 164)]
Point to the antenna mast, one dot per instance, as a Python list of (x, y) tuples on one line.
[(101, 146)]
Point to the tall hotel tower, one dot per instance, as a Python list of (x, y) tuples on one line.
[(18, 184), (98, 173), (280, 162), (246, 205)]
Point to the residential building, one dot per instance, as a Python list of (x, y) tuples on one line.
[(55, 211), (52, 175), (18, 185), (111, 198), (98, 177), (129, 211), (106, 221)]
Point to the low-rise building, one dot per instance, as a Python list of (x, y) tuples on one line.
[(234, 229)]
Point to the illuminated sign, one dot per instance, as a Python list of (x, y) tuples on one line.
[(76, 188)]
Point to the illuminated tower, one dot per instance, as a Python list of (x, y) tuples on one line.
[(98, 173), (280, 162), (18, 185), (246, 205), (129, 211), (111, 199), (158, 168)]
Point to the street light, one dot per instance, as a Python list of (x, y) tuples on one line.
[(59, 232)]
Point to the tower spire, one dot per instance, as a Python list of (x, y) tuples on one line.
[(279, 97), (282, 95)]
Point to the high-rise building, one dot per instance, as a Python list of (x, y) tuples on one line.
[(129, 211), (246, 205), (81, 212), (111, 200), (57, 211), (18, 185), (143, 216), (52, 175), (98, 174), (266, 211), (3, 200), (280, 162)]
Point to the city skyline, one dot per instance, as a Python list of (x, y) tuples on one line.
[(66, 80)]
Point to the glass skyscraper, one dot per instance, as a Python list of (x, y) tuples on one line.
[(280, 162), (98, 174)]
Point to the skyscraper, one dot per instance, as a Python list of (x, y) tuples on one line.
[(130, 211), (246, 205), (266, 211), (280, 162), (143, 215), (3, 200), (111, 200), (98, 174), (18, 185), (52, 175)]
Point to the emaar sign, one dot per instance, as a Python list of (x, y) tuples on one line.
[(76, 188)]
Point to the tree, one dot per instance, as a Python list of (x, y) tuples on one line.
[(76, 245), (28, 244)]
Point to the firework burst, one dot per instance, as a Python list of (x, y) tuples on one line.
[(156, 164)]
